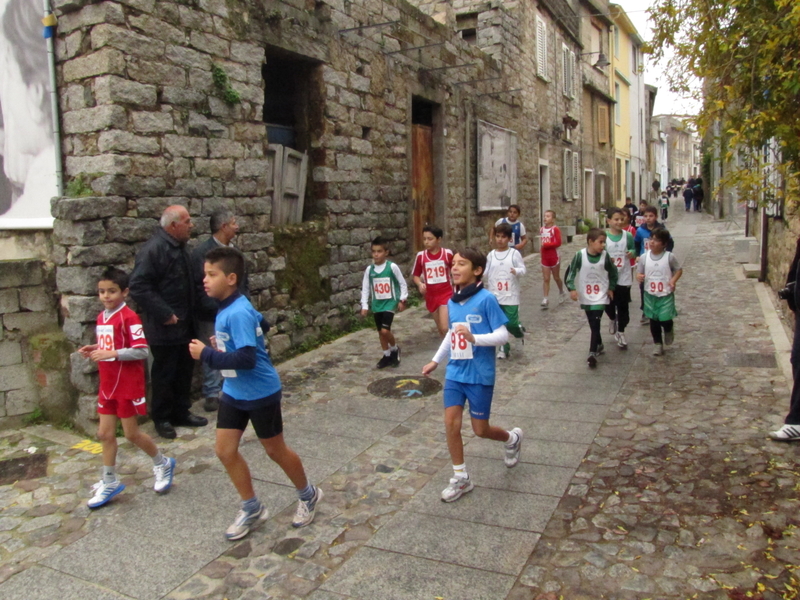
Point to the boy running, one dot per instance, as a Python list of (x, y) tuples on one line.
[(504, 267), (640, 217), (384, 290), (431, 275), (476, 325), (592, 280), (642, 242), (251, 392), (520, 237), (658, 270), (550, 236), (120, 354), (663, 204), (620, 247)]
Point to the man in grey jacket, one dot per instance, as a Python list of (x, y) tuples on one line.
[(162, 285)]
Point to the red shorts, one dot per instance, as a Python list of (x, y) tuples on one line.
[(124, 409), (550, 258), (437, 297)]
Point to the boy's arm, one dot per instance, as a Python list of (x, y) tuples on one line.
[(631, 245), (240, 359), (443, 351), (574, 268), (519, 264), (613, 273), (498, 337), (139, 353), (401, 280), (365, 290), (637, 242), (558, 237), (523, 237), (670, 244)]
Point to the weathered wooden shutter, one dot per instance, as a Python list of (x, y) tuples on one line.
[(290, 173), (602, 124), (576, 175), (566, 76), (541, 47), (567, 174), (575, 75)]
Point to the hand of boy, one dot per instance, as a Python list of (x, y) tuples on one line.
[(640, 277), (196, 349), (422, 289), (465, 333), (86, 351), (401, 306), (98, 355), (513, 271), (610, 295), (574, 295), (363, 312), (429, 368)]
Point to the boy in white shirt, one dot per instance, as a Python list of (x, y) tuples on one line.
[(504, 267)]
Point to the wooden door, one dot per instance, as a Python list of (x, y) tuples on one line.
[(422, 189)]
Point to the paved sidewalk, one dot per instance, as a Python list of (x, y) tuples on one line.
[(645, 478)]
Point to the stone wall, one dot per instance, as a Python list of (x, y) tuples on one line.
[(33, 351)]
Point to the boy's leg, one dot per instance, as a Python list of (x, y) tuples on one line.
[(163, 468), (655, 331), (107, 434), (387, 339), (227, 449), (546, 281), (109, 486), (557, 277), (594, 317), (622, 300), (452, 428), (287, 459), (483, 429), (440, 317)]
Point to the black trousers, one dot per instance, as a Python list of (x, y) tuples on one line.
[(171, 380), (793, 418), (594, 317), (618, 308), (655, 329)]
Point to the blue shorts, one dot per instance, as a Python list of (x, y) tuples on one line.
[(479, 396)]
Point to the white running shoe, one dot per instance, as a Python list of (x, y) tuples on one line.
[(658, 349), (164, 474), (621, 341), (512, 452), (787, 433), (669, 337), (457, 488), (306, 509), (562, 297), (544, 303), (612, 326), (501, 353), (103, 492), (245, 521)]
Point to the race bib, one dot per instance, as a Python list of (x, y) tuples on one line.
[(460, 347), (105, 339), (619, 261), (503, 285), (647, 244), (658, 288), (435, 272), (593, 289), (382, 288)]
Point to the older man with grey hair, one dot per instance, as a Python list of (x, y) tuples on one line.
[(162, 285)]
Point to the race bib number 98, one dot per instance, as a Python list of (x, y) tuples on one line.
[(460, 346)]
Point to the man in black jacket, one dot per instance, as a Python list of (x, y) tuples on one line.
[(223, 229), (162, 285)]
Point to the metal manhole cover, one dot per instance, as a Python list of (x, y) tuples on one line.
[(404, 386), (23, 467), (752, 360)]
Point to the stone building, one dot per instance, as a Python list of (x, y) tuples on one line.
[(680, 146)]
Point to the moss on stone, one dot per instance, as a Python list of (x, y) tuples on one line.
[(305, 249), (51, 350)]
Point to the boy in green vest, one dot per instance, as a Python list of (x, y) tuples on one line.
[(384, 290)]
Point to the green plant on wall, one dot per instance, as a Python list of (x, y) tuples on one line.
[(78, 187), (305, 253), (229, 95)]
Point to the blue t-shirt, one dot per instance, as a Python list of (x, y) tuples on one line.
[(239, 325), (484, 315), (516, 231)]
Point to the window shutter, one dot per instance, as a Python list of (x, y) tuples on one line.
[(575, 75), (602, 124), (541, 48), (567, 174), (566, 78), (576, 177)]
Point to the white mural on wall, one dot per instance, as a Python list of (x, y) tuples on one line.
[(497, 167), (27, 147)]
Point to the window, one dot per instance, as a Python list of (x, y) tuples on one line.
[(541, 48), (617, 107), (572, 182), (634, 60), (467, 26), (595, 44), (568, 72), (602, 124), (616, 42)]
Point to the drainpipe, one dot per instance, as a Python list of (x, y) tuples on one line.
[(51, 64), (467, 166), (764, 248)]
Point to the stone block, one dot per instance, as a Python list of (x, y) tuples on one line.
[(348, 162), (18, 273), (103, 62), (78, 280), (752, 271), (9, 301), (186, 57), (220, 168), (158, 29), (106, 164), (249, 242), (116, 90), (130, 42), (277, 263), (225, 149), (113, 185), (250, 132), (249, 54), (28, 323), (203, 126), (279, 344), (10, 353), (201, 80), (94, 119), (149, 122), (147, 71), (15, 377), (83, 373), (83, 309), (252, 167), (192, 186), (89, 14), (153, 207), (127, 229), (754, 253), (21, 401), (80, 334), (37, 299), (102, 254), (146, 166), (89, 208), (182, 97), (124, 141), (210, 44), (178, 145)]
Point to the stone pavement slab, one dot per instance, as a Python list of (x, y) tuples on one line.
[(42, 583)]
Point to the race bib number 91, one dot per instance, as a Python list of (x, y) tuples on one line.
[(460, 346)]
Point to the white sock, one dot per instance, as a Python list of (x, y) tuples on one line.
[(513, 438), (387, 352), (393, 349), (158, 459), (109, 474), (460, 471)]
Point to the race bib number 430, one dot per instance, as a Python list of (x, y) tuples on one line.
[(382, 288), (460, 346)]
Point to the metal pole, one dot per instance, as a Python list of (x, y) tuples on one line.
[(764, 247), (51, 64)]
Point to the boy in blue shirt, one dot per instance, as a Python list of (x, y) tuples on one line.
[(477, 325), (251, 392)]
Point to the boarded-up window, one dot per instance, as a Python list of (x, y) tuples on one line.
[(569, 180), (576, 178), (497, 167), (568, 72), (541, 48), (602, 124), (575, 74)]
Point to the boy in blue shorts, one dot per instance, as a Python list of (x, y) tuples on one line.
[(251, 392), (477, 326)]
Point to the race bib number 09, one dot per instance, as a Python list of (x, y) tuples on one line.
[(460, 346), (382, 288), (105, 339)]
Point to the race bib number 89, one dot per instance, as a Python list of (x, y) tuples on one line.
[(460, 346)]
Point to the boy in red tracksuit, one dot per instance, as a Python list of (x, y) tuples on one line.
[(550, 237)]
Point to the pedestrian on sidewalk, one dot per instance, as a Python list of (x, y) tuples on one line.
[(477, 325), (431, 275), (120, 354), (550, 237), (384, 290), (642, 242), (251, 392), (790, 430), (592, 280), (688, 196), (659, 271), (520, 239), (663, 204), (504, 267), (619, 244), (698, 194)]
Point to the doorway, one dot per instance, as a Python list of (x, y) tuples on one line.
[(423, 185), (589, 208)]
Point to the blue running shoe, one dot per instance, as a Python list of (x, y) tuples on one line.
[(245, 521), (164, 473), (104, 492)]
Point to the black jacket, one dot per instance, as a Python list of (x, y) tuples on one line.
[(207, 307), (162, 285)]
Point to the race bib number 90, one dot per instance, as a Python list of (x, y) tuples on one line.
[(435, 272), (460, 346), (657, 286), (382, 288)]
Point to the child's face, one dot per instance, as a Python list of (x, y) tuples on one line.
[(430, 241), (597, 246), (626, 219), (463, 272), (216, 284), (642, 206), (513, 214), (110, 294), (617, 222), (650, 218), (501, 241), (656, 246), (549, 219), (379, 254)]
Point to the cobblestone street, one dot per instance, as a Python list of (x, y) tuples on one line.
[(648, 477)]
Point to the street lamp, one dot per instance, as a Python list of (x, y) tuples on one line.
[(602, 61)]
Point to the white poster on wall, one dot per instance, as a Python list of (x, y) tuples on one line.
[(27, 144), (497, 167)]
